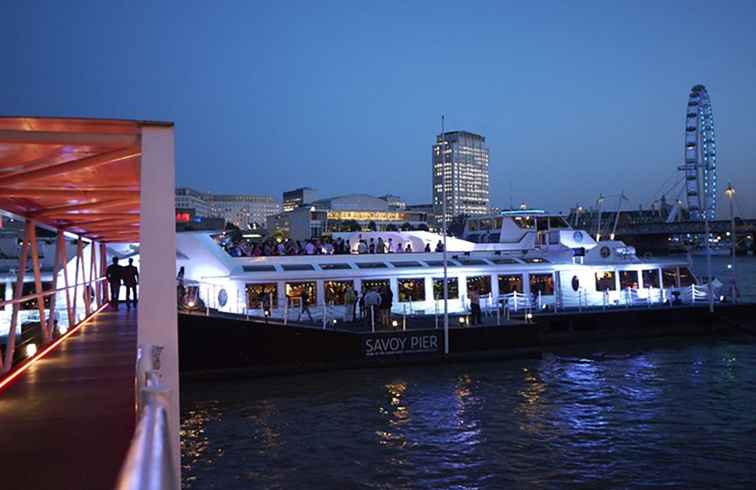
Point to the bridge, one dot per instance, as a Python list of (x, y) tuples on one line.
[(72, 369)]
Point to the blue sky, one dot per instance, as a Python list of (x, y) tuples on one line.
[(574, 98)]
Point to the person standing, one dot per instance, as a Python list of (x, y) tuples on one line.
[(305, 305), (114, 274), (372, 301), (130, 276), (475, 306), (387, 300), (349, 300)]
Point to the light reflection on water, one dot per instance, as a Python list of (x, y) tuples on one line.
[(676, 413)]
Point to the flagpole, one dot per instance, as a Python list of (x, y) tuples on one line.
[(443, 234)]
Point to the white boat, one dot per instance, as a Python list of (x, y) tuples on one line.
[(523, 260)]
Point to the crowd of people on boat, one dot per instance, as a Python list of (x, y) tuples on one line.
[(325, 246)]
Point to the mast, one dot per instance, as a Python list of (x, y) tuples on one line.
[(443, 234), (617, 215)]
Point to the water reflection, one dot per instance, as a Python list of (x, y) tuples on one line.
[(589, 421)]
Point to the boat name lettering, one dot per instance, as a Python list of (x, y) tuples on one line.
[(384, 345)]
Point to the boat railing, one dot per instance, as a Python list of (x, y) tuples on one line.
[(149, 462)]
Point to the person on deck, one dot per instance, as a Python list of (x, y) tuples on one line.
[(114, 274), (350, 298), (305, 305), (387, 299), (130, 279), (372, 301), (474, 296)]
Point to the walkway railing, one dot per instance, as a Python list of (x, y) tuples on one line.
[(150, 464)]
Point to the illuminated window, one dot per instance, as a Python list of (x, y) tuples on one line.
[(452, 287), (669, 277), (650, 278), (411, 290), (299, 289), (256, 293), (482, 283), (377, 284), (628, 279), (334, 291), (605, 281), (509, 283), (542, 282)]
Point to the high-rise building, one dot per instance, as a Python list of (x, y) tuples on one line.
[(299, 197), (463, 170)]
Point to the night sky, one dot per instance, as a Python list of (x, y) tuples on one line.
[(574, 98)]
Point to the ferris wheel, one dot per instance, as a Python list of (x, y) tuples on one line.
[(700, 167)]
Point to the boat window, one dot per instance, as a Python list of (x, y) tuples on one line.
[(605, 281), (297, 290), (557, 222), (503, 260), (536, 260), (333, 267), (297, 267), (471, 261), (371, 265), (472, 225), (686, 277), (541, 282), (499, 222), (258, 268), (409, 263), (525, 222), (509, 283), (628, 279), (669, 277), (486, 224), (542, 223), (256, 293), (452, 288), (440, 263), (334, 291), (411, 290), (29, 288), (650, 278), (483, 283), (377, 284)]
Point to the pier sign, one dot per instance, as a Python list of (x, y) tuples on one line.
[(401, 343)]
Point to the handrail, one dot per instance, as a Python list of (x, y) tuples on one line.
[(149, 462), (44, 294)]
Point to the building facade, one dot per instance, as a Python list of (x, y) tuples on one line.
[(193, 201), (463, 171), (244, 210), (354, 212), (299, 197)]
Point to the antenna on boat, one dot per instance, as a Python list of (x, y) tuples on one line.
[(443, 234), (616, 216)]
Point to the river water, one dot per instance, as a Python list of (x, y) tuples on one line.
[(673, 412)]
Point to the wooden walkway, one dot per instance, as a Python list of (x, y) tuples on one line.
[(67, 421)]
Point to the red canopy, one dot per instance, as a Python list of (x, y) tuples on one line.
[(82, 175)]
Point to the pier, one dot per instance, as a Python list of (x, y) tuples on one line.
[(89, 396)]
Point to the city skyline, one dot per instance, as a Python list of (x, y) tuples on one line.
[(574, 101)]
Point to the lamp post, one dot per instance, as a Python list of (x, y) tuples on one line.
[(443, 231), (730, 193)]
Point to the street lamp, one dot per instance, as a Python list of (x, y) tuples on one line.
[(730, 193)]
